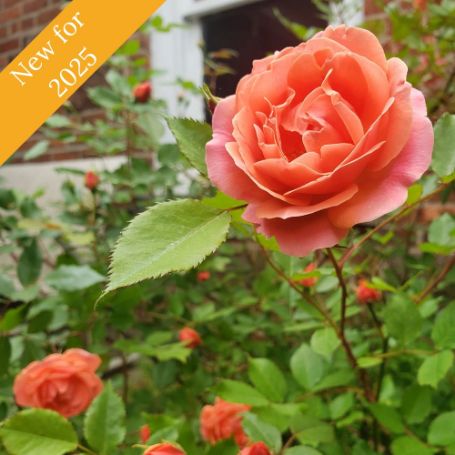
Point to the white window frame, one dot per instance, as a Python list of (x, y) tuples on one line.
[(178, 54)]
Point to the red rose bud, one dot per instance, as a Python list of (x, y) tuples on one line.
[(309, 282), (203, 276), (190, 337), (91, 180), (142, 92), (164, 449), (366, 294), (258, 448), (144, 433)]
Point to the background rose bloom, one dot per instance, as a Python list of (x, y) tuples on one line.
[(366, 294), (65, 383), (258, 448), (321, 137), (164, 449), (222, 421), (190, 337)]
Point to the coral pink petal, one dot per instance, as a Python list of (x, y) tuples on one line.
[(300, 236), (388, 190)]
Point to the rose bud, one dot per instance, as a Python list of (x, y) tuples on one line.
[(143, 92), (203, 276), (366, 294), (223, 421), (190, 337), (309, 282), (320, 137), (164, 448), (258, 448), (144, 433), (65, 383), (91, 180)]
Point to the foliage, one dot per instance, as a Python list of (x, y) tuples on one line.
[(322, 372)]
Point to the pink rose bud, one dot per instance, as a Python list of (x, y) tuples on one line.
[(144, 433), (91, 180), (223, 421), (366, 294), (65, 383), (190, 337), (164, 449), (143, 92), (203, 276), (258, 448), (320, 137), (309, 282)]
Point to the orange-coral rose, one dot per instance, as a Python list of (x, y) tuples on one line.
[(190, 337), (142, 92), (366, 294), (145, 433), (258, 448), (65, 383), (311, 281), (319, 138), (164, 449), (222, 421)]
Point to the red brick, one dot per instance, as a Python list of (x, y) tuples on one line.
[(2, 32), (34, 5), (10, 45), (28, 23), (10, 14), (47, 16)]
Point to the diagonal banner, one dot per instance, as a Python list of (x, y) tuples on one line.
[(59, 60)]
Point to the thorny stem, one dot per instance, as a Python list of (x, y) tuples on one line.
[(388, 220), (85, 449), (437, 279), (344, 291), (363, 377)]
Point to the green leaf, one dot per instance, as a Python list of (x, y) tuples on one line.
[(444, 153), (307, 367), (38, 432), (403, 320), (409, 446), (325, 342), (58, 121), (72, 278), (388, 417), (434, 368), (268, 379), (257, 431), (30, 263), (442, 430), (192, 137), (104, 425), (37, 150), (443, 333), (169, 237), (239, 392), (416, 403), (341, 405), (5, 354), (441, 231), (310, 430), (302, 450)]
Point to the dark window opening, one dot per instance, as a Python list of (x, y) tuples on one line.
[(254, 32)]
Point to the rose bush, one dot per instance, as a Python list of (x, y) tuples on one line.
[(319, 138), (65, 383)]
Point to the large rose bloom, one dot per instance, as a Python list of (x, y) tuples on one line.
[(223, 421), (164, 449), (65, 383), (259, 448), (321, 137)]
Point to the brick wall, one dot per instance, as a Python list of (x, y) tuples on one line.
[(21, 21)]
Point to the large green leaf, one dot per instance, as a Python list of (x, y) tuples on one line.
[(104, 425), (169, 237), (311, 430), (444, 148), (406, 445), (443, 333), (239, 392), (416, 403), (302, 450), (268, 379), (257, 430), (38, 432), (388, 417), (72, 278), (442, 430), (192, 136), (307, 367), (434, 368), (325, 342), (29, 265), (403, 320)]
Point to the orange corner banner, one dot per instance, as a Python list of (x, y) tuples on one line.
[(59, 60)]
